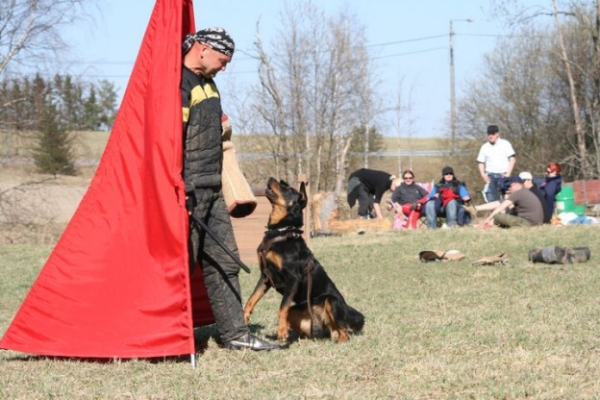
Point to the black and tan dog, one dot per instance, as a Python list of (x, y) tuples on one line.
[(311, 303)]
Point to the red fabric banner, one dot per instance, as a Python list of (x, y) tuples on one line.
[(117, 283)]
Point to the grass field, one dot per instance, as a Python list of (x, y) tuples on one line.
[(434, 331)]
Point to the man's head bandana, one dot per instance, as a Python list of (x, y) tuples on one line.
[(217, 38)]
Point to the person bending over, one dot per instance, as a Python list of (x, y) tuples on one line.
[(368, 187)]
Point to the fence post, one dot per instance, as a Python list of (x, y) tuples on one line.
[(307, 216)]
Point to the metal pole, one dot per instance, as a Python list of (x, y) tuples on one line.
[(453, 87), (366, 146), (452, 93)]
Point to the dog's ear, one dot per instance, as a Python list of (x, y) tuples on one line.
[(303, 197), (283, 183)]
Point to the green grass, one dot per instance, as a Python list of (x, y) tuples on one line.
[(434, 331)]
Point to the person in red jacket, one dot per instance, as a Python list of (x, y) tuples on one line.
[(447, 198)]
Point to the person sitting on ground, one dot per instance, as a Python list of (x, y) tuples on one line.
[(409, 198), (526, 208), (552, 185), (447, 198), (368, 186), (528, 183)]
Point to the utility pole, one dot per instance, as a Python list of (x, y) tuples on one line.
[(366, 161), (452, 86)]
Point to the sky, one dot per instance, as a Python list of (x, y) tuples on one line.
[(408, 39)]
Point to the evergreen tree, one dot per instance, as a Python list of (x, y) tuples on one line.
[(91, 114), (358, 147), (53, 152), (107, 103)]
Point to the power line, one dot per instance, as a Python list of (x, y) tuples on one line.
[(410, 52), (238, 59)]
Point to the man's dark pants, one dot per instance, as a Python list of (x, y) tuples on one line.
[(365, 202), (219, 270)]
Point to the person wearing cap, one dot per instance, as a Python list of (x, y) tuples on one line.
[(496, 160), (447, 197), (205, 54), (525, 207), (528, 182), (368, 187)]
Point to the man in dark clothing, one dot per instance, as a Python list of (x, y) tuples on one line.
[(368, 186), (527, 208), (527, 179), (205, 54)]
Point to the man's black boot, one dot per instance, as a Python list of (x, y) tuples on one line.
[(251, 342)]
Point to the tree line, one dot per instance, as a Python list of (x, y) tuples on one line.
[(50, 110), (76, 105), (317, 98)]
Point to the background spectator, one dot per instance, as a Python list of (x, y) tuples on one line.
[(447, 198), (496, 160), (526, 209), (368, 186), (552, 185), (528, 182), (409, 198)]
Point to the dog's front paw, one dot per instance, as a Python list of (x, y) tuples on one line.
[(247, 317), (282, 333)]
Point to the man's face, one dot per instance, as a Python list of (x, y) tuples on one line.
[(515, 186), (492, 137), (210, 61), (448, 177)]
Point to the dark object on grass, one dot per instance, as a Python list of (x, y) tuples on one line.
[(560, 255)]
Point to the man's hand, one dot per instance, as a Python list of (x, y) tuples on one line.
[(190, 202)]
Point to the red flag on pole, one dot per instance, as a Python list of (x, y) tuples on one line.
[(117, 283)]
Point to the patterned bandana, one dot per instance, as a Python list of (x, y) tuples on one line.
[(217, 38)]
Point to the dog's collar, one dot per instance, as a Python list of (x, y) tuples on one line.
[(285, 229)]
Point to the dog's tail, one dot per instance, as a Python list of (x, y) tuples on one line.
[(356, 320)]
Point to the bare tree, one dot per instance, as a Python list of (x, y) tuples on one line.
[(572, 91), (313, 90), (30, 30), (542, 85)]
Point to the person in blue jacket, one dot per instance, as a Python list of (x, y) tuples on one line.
[(447, 198), (552, 184)]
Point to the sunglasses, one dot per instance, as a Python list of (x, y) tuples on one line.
[(448, 174), (407, 177)]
